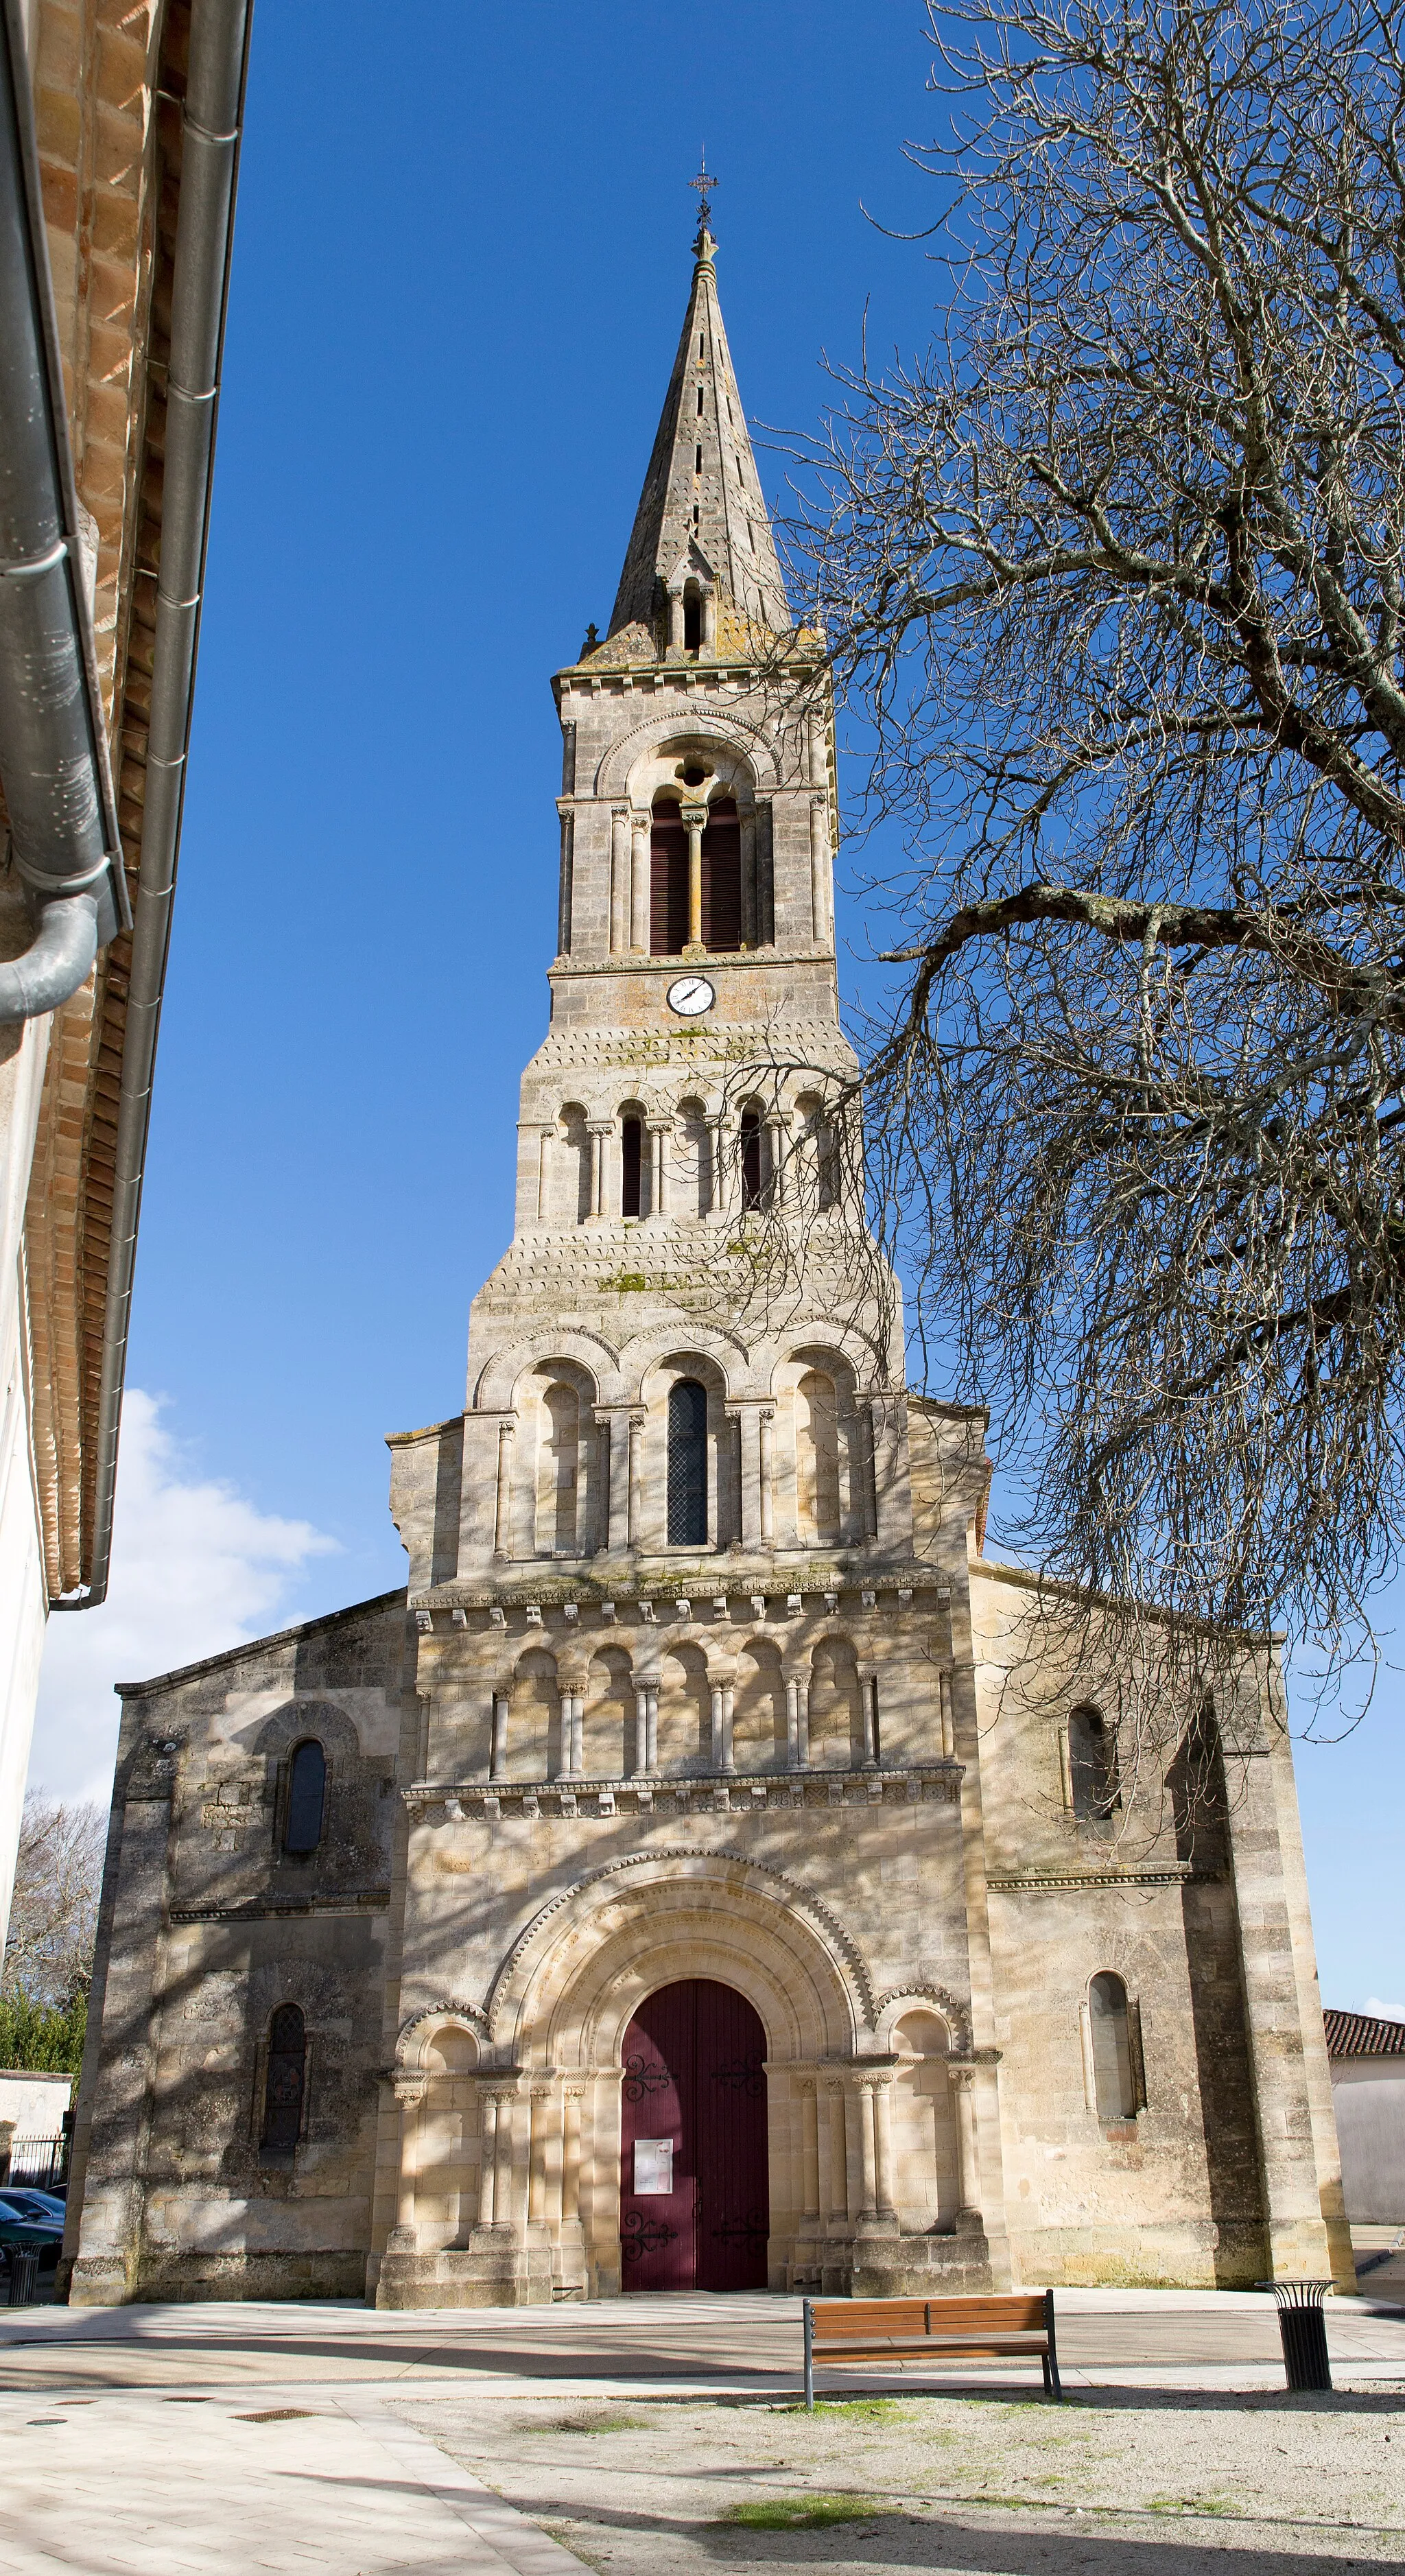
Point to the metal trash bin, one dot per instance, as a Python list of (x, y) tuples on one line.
[(1303, 2330), (20, 2278)]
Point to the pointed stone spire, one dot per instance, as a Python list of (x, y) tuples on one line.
[(701, 515)]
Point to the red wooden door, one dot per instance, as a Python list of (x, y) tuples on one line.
[(694, 2195)]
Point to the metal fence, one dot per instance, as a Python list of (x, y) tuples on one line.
[(40, 2162)]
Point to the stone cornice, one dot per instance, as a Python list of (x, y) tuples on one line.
[(1175, 1874)]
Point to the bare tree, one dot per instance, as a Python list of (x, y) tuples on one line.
[(53, 1918), (1116, 575)]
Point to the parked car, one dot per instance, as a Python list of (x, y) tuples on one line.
[(31, 2203), (19, 2227)]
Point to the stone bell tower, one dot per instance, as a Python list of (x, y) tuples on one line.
[(703, 1874)]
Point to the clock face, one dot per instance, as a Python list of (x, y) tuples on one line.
[(690, 996)]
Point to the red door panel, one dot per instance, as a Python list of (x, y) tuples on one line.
[(694, 2197)]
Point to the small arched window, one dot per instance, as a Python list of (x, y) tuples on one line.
[(631, 1167), (286, 2080), (751, 1158), (1092, 1764), (687, 1464), (307, 1796), (692, 614), (1114, 2055)]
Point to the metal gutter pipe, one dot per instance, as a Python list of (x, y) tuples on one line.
[(212, 122), (54, 766)]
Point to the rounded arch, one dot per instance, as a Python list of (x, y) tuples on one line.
[(416, 2035), (568, 1987), (571, 1343), (705, 731)]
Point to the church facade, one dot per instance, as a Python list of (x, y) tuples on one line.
[(693, 1879)]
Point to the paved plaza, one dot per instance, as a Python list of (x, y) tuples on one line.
[(662, 2437)]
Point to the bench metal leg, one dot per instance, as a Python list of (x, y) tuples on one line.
[(809, 2357), (1051, 2366)]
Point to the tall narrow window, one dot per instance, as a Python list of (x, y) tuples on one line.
[(751, 1158), (692, 620), (687, 1464), (1092, 1762), (1114, 2074), (700, 402), (285, 2081), (668, 884), (631, 1167), (697, 456), (307, 1792), (722, 877)]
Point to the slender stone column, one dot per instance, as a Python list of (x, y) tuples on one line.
[(868, 2154), (809, 2155), (488, 2160), (768, 1495), (675, 621), (541, 2104), (693, 819), (598, 1129), (819, 867), (659, 1130), (883, 2147), (947, 1724), (634, 1526), (619, 879), (572, 1735), (502, 1509), (836, 2198), (802, 1721), (641, 1730), (792, 1724), (868, 1701), (717, 1726), (497, 1762), (968, 2177), (651, 1714), (639, 835), (728, 1703), (502, 2163), (777, 1140), (544, 1175), (409, 2087), (571, 2156)]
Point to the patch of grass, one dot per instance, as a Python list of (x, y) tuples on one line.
[(803, 2513), (1191, 2504), (863, 2410)]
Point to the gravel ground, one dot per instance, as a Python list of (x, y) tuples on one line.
[(1110, 2483)]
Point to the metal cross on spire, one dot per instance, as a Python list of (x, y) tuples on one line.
[(704, 183)]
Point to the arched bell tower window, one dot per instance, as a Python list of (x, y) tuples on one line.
[(285, 2081), (631, 1166), (307, 1795), (687, 1464), (751, 1158), (1092, 1762), (692, 617), (1114, 2066)]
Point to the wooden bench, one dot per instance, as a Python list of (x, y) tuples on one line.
[(841, 2331)]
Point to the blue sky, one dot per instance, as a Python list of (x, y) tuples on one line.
[(460, 271)]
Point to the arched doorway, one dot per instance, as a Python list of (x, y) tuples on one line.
[(694, 2197)]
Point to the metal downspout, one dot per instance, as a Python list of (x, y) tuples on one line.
[(64, 841), (212, 122)]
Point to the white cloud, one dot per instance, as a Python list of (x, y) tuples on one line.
[(1383, 2012), (194, 1568)]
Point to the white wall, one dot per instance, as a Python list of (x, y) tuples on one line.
[(1368, 2094), (23, 1593)]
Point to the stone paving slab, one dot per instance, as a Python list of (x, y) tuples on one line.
[(138, 2485), (1173, 2337)]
